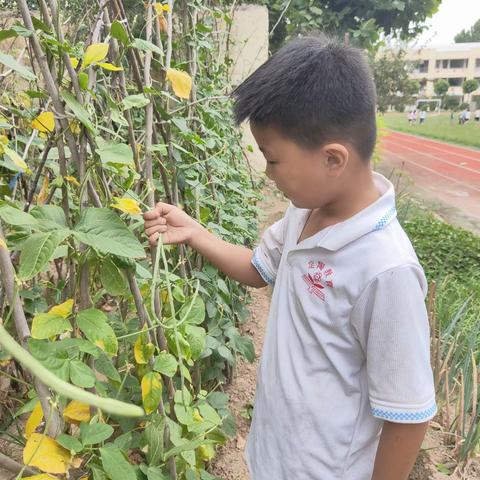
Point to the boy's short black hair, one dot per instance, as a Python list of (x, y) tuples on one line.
[(313, 90)]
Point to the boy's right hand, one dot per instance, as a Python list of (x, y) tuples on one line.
[(171, 222)]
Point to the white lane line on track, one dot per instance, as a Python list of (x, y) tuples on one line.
[(418, 140), (461, 167), (455, 182)]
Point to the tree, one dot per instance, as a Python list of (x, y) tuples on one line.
[(394, 87), (469, 86), (440, 87), (364, 20), (471, 35)]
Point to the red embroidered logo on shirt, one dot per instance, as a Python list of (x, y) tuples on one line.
[(318, 278)]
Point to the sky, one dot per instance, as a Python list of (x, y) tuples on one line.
[(452, 17)]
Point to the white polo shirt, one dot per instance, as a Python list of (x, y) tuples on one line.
[(346, 347)]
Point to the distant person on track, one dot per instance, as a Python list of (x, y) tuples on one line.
[(423, 117), (467, 115), (345, 388), (477, 115)]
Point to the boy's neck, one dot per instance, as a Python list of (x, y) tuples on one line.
[(358, 192)]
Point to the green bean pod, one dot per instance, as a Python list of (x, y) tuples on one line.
[(110, 405)]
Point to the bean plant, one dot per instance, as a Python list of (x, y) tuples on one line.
[(118, 351)]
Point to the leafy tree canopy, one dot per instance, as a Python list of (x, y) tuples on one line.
[(394, 87), (471, 35), (363, 20)]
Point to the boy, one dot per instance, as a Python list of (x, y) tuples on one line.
[(344, 388)]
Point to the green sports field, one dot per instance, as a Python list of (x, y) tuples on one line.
[(438, 126)]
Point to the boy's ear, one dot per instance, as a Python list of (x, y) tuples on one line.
[(336, 157)]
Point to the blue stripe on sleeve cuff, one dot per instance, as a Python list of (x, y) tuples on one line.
[(404, 416), (257, 263)]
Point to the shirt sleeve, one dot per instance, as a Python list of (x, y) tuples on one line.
[(267, 255), (391, 323)]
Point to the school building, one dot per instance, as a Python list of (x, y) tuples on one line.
[(455, 63)]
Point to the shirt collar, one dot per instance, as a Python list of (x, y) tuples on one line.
[(373, 218)]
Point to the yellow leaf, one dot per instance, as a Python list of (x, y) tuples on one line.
[(17, 159), (46, 454), (64, 309), (76, 412), (127, 205), (206, 451), (109, 66), (3, 244), (151, 391), (197, 417), (181, 82), (95, 53), (159, 8), (142, 350), (34, 420), (40, 476), (74, 127), (45, 122), (43, 194), (3, 140), (74, 62), (73, 180)]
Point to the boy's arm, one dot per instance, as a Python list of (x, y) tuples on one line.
[(176, 226), (397, 450)]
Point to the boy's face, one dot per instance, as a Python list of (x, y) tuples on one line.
[(308, 178)]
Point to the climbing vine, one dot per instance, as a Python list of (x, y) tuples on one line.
[(125, 349)]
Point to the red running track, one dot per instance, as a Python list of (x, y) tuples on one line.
[(450, 172)]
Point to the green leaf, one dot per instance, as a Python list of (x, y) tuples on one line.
[(14, 216), (137, 101), (113, 153), (118, 31), (185, 446), (112, 278), (146, 46), (83, 80), (197, 313), (4, 34), (95, 432), (37, 251), (70, 443), (104, 230), (11, 63), (94, 325), (50, 217), (115, 464), (80, 113), (226, 354), (166, 364), (81, 374), (154, 437), (104, 365), (195, 336), (46, 325)]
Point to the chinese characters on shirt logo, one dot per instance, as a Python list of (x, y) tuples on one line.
[(318, 277)]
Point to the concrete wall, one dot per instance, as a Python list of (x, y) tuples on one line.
[(248, 48)]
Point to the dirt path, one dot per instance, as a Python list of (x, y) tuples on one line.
[(229, 463)]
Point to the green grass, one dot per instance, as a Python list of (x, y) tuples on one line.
[(438, 126)]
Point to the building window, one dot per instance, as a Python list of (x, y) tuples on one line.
[(459, 63), (421, 66), (477, 63), (456, 82), (444, 63)]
